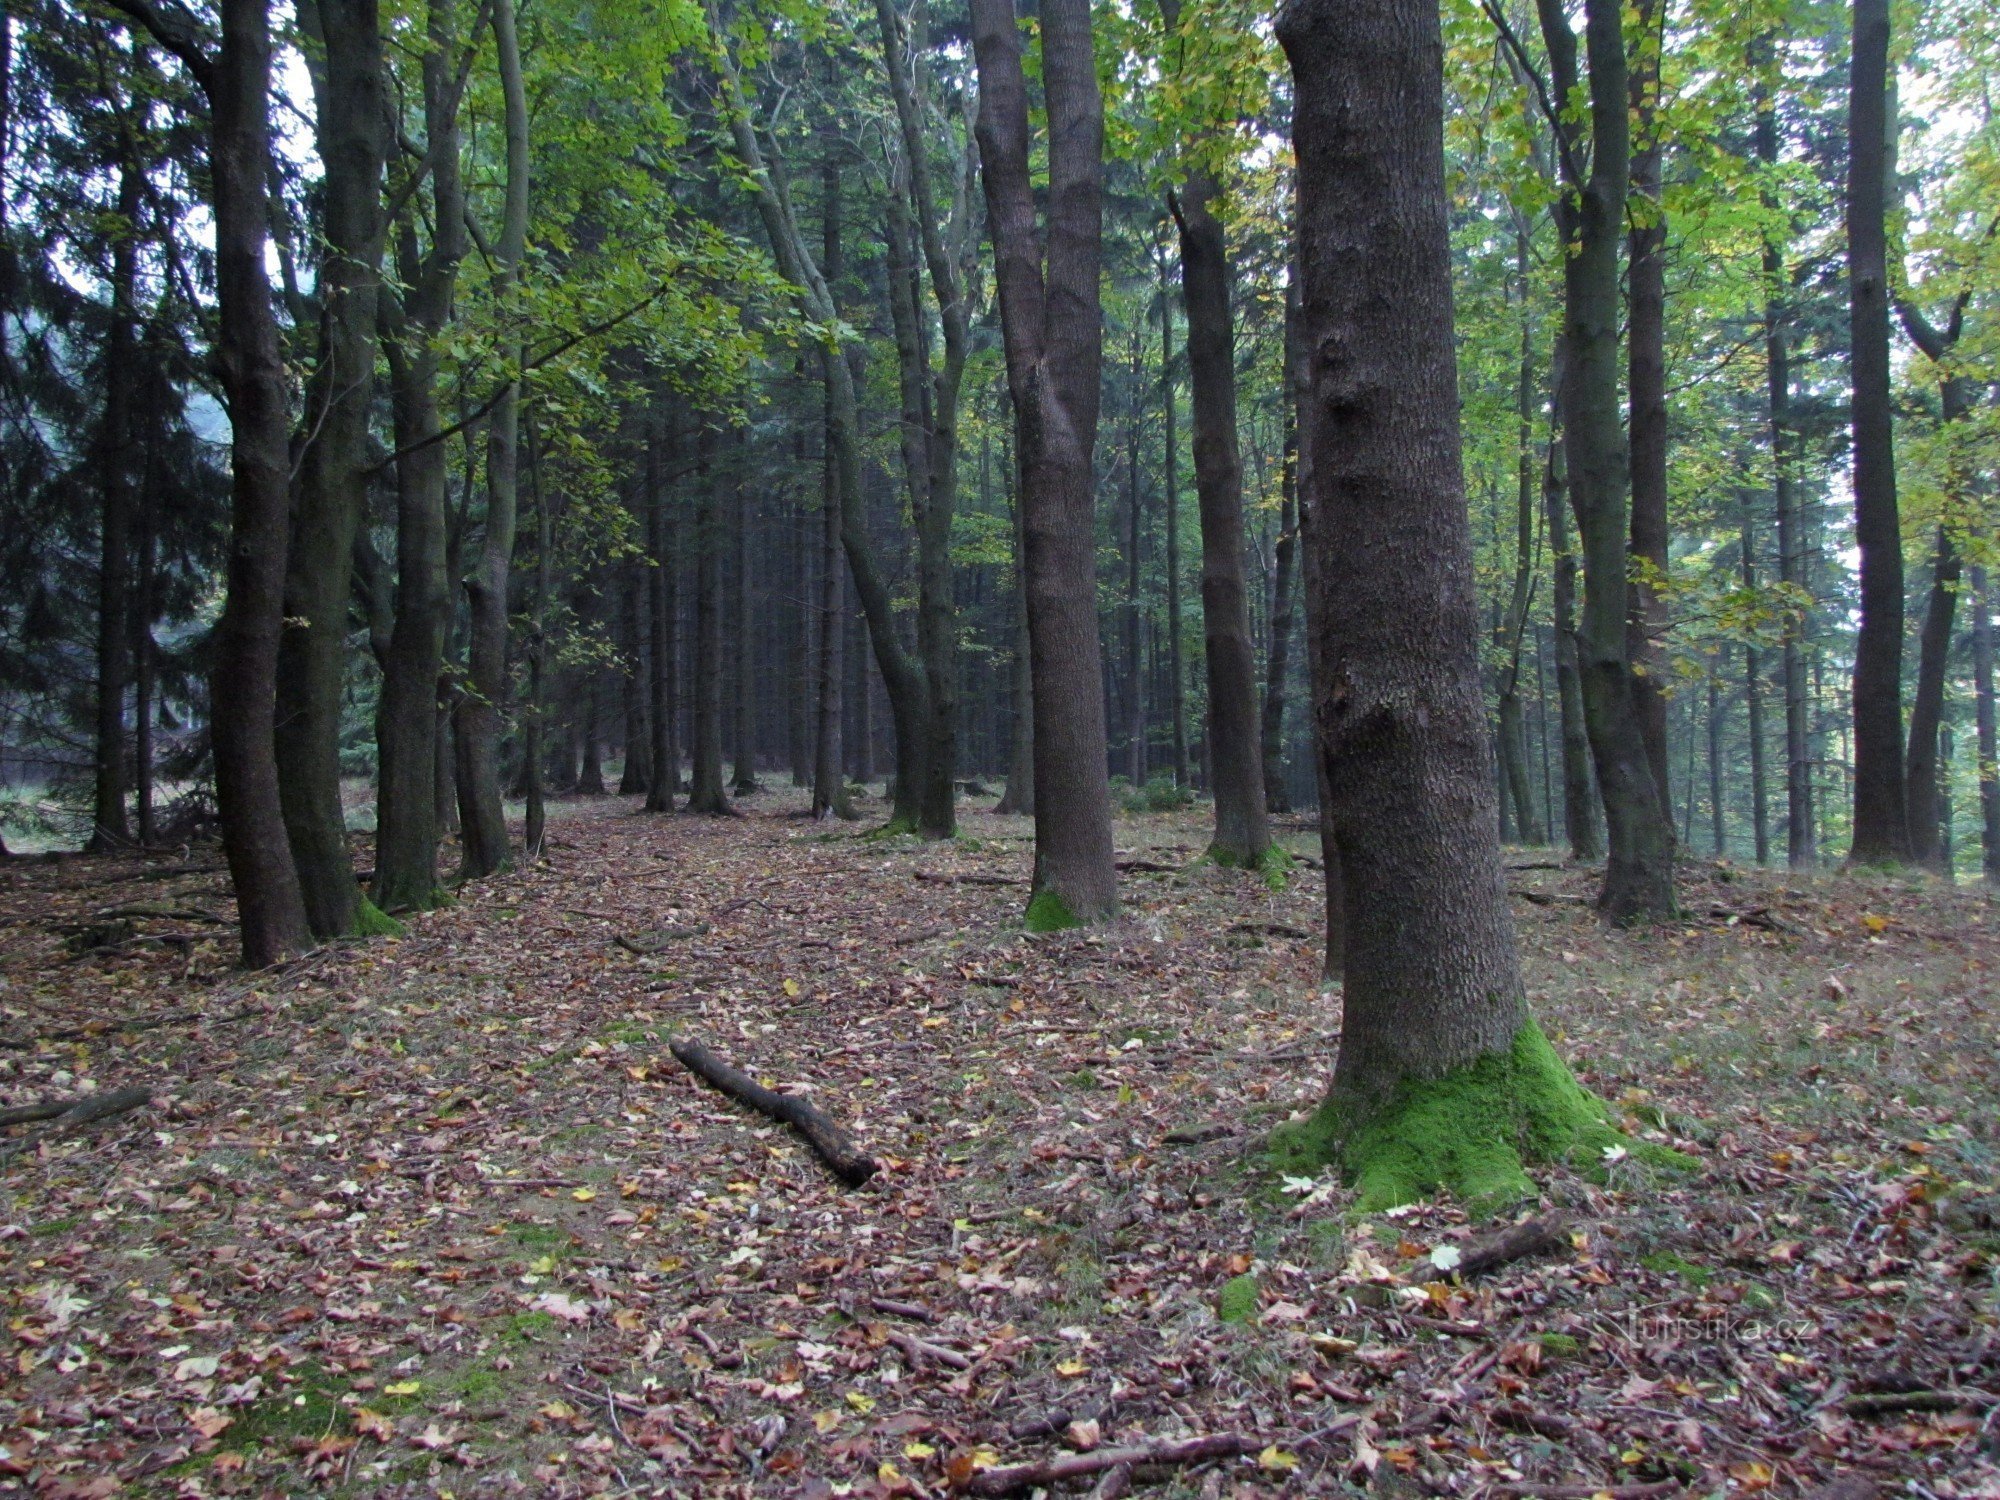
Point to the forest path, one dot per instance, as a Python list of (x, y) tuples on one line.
[(442, 1214)]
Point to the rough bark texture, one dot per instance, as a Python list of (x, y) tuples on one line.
[(1052, 327), (1441, 1074), (335, 465), (1881, 817), (476, 717), (1242, 827), (1638, 877)]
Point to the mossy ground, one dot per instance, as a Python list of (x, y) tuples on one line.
[(1471, 1133)]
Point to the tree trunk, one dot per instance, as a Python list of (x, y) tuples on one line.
[(1277, 659), (243, 691), (1638, 877), (1646, 384), (1881, 816), (1927, 708), (1989, 740), (144, 667), (1169, 406), (406, 837), (117, 492), (1511, 732), (706, 793), (637, 678), (1020, 794), (1432, 981), (536, 814), (1580, 803), (1132, 684), (829, 786), (335, 464), (743, 711), (1242, 827), (1753, 701), (476, 720), (1052, 328), (1800, 850), (664, 757), (1718, 840)]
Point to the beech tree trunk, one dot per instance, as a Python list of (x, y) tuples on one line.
[(1881, 834), (1989, 733), (476, 717), (1020, 794), (1052, 328), (408, 716), (1432, 981), (335, 464), (1511, 731), (243, 689), (1242, 826), (1638, 877)]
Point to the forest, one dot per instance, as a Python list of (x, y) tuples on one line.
[(769, 747)]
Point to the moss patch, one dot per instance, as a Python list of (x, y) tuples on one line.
[(1276, 864), (1237, 1301), (371, 921), (1468, 1133), (1048, 912)]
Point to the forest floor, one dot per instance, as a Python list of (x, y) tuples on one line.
[(441, 1215)]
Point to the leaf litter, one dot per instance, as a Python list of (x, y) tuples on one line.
[(440, 1214)]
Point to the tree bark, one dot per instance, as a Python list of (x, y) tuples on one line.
[(1020, 795), (1646, 385), (1638, 878), (1580, 804), (1242, 826), (1171, 455), (335, 463), (1511, 731), (111, 827), (1800, 845), (1432, 979), (1881, 834), (706, 793), (1753, 701), (536, 816), (637, 773), (1921, 778), (743, 707), (407, 719), (1052, 328), (664, 757), (1277, 659), (1989, 738), (476, 717)]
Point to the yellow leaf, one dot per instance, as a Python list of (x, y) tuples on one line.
[(1874, 923), (1071, 1368), (1277, 1460), (793, 988), (584, 1195), (888, 1473), (558, 1411), (861, 1403), (403, 1388), (918, 1451), (826, 1421)]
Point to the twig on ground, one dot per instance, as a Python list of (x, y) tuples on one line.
[(1005, 1481), (843, 1158)]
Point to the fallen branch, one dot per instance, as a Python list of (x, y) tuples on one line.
[(918, 1351), (898, 1309), (1270, 929), (1082, 1465), (1542, 899), (161, 913), (938, 878), (1149, 867), (76, 1113), (846, 1161), (1195, 1135), (1523, 1241), (1883, 1402)]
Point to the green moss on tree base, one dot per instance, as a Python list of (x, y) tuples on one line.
[(1276, 864), (1048, 912), (1237, 1301), (371, 921), (1469, 1133), (894, 828)]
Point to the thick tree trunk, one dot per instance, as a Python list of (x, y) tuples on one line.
[(476, 718), (1052, 327), (1989, 733), (111, 828), (829, 784), (706, 793), (1927, 707), (335, 463), (243, 691), (1242, 827), (1020, 794), (1881, 815), (1432, 981), (1638, 877)]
